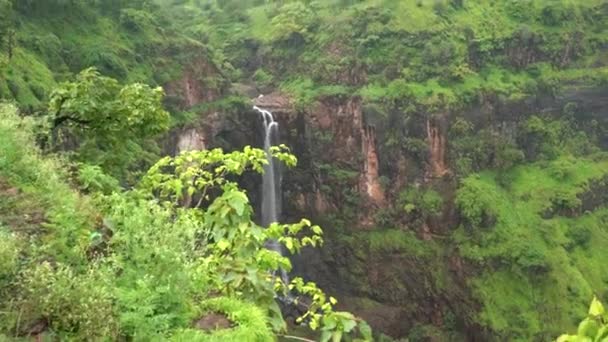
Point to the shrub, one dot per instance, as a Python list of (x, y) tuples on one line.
[(262, 77), (579, 235), (135, 20), (431, 202), (563, 199), (82, 304), (49, 47), (555, 14), (532, 257), (293, 22), (108, 62), (506, 156), (563, 168), (426, 201), (473, 201), (250, 323), (93, 179), (9, 256)]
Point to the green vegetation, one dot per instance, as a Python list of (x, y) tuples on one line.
[(415, 199), (104, 237), (142, 265), (522, 234), (251, 323), (592, 328), (394, 241), (434, 53)]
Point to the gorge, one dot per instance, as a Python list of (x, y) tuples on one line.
[(453, 153)]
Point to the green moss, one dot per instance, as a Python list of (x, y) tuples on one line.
[(394, 241)]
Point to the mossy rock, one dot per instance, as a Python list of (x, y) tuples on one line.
[(248, 323)]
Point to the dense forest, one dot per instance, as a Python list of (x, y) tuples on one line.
[(440, 170)]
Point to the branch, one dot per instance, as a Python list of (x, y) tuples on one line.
[(59, 120), (296, 338)]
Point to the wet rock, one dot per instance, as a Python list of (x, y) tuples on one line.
[(274, 102)]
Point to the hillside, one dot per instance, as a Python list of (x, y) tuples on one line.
[(454, 151)]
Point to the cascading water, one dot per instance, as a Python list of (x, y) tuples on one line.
[(271, 182)]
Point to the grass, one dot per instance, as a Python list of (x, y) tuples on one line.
[(68, 215), (28, 80), (52, 48)]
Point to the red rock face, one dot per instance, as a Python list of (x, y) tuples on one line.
[(370, 183), (320, 202), (274, 102), (197, 84), (352, 138), (437, 140), (344, 119), (191, 140)]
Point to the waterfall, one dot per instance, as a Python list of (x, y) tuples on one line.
[(271, 182), (271, 178)]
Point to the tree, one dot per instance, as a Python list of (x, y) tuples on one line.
[(293, 22), (234, 253), (137, 265), (109, 122)]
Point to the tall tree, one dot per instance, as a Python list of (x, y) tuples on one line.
[(109, 121)]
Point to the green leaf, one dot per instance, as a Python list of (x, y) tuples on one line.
[(329, 322), (602, 333), (237, 200), (223, 245), (596, 308), (349, 325), (289, 244), (365, 330), (317, 230), (588, 328), (569, 338), (325, 336), (314, 325)]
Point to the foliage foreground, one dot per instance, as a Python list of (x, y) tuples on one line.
[(138, 264), (594, 328)]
